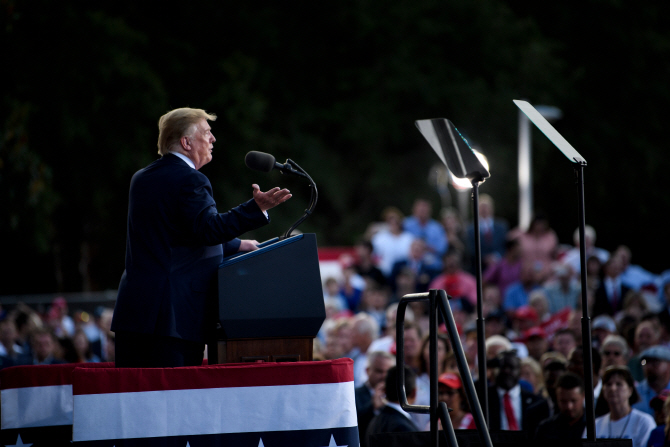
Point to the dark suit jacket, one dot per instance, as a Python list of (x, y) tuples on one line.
[(534, 410), (491, 243), (364, 411), (390, 420), (424, 276), (602, 303), (173, 249), (557, 431)]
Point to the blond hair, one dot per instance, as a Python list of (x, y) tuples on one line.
[(176, 124)]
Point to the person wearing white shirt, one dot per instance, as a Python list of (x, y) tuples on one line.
[(393, 243), (623, 421)]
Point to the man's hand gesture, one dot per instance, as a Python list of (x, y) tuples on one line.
[(270, 199)]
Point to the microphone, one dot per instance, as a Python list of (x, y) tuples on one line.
[(260, 161)]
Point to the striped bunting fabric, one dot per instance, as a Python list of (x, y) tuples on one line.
[(308, 404), (36, 403)]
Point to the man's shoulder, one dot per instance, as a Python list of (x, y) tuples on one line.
[(396, 420), (500, 224), (533, 400), (514, 289), (362, 390), (167, 163), (554, 421)]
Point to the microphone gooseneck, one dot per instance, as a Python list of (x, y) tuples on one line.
[(260, 161)]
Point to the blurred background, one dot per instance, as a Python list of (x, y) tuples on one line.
[(336, 87)]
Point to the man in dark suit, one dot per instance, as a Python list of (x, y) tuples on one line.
[(610, 294), (493, 234), (370, 395), (568, 425), (510, 407), (392, 418), (164, 308), (419, 264)]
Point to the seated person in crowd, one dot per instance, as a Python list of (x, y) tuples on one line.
[(656, 376), (454, 280), (424, 268), (569, 423), (450, 391), (623, 421), (370, 395), (510, 407), (392, 418), (493, 234), (422, 226)]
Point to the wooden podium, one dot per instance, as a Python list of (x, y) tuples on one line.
[(270, 302), (296, 349)]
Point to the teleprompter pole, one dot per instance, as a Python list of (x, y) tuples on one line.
[(586, 320), (481, 345)]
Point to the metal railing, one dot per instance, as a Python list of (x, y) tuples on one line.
[(438, 302)]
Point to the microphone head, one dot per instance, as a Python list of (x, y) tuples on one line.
[(259, 161)]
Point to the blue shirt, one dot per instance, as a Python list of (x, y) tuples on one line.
[(516, 296), (432, 233), (657, 437), (646, 394)]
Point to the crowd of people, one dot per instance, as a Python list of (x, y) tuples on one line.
[(531, 298), (532, 305), (28, 337)]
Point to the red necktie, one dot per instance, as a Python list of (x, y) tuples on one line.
[(509, 413)]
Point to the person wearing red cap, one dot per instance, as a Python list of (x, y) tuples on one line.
[(450, 391), (523, 318), (535, 340)]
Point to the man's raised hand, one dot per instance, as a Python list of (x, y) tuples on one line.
[(270, 199)]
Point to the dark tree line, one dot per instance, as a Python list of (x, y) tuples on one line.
[(335, 86)]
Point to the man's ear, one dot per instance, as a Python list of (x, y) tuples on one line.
[(412, 395), (185, 143)]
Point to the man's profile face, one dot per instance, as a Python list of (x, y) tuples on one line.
[(570, 402), (202, 144)]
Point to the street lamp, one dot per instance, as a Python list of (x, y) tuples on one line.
[(526, 162)]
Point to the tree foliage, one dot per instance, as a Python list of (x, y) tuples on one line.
[(336, 87)]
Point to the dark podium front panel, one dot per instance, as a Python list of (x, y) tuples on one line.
[(274, 291)]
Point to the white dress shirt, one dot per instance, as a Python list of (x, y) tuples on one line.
[(515, 399)]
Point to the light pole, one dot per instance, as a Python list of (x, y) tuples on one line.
[(526, 162)]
